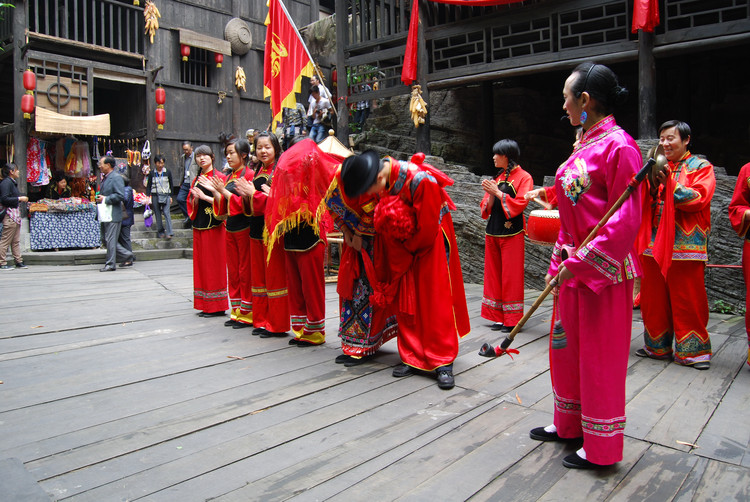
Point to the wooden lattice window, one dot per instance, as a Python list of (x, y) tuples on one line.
[(196, 70)]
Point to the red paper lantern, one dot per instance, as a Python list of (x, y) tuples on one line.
[(161, 117), (27, 105), (29, 80), (219, 58), (161, 96), (185, 51)]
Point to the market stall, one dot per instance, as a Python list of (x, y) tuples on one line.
[(63, 223)]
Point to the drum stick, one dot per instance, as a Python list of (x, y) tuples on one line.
[(637, 179)]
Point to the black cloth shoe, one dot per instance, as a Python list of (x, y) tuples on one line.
[(107, 269), (20, 264), (356, 361), (342, 358), (230, 322), (702, 365), (240, 325), (445, 378), (220, 313), (271, 334), (128, 263), (539, 434), (402, 370), (258, 331), (507, 329), (497, 326), (642, 353), (573, 461)]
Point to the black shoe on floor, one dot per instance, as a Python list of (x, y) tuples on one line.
[(356, 361), (6, 267), (642, 353), (107, 269), (507, 329), (539, 434), (343, 359), (241, 325), (702, 365), (220, 313), (271, 334), (230, 322), (497, 326), (258, 331), (21, 265), (445, 378), (402, 370), (573, 461), (126, 264)]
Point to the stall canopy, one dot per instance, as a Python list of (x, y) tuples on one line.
[(53, 122)]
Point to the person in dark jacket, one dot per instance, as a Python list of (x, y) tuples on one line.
[(128, 220), (9, 201), (159, 188)]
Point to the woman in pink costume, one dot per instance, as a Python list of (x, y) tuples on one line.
[(596, 282)]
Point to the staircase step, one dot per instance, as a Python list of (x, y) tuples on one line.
[(99, 256)]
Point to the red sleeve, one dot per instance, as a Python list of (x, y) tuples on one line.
[(192, 202), (739, 207), (513, 206), (427, 202), (550, 195)]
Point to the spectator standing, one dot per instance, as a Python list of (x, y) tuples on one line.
[(318, 108), (159, 188), (188, 171), (112, 193), (11, 230), (128, 220)]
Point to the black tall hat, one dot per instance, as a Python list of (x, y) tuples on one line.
[(358, 172)]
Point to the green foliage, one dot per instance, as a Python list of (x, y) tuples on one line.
[(2, 14), (722, 307)]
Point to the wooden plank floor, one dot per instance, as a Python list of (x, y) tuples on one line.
[(113, 389)]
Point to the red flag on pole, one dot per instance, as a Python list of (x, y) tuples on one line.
[(409, 70), (645, 15), (286, 60)]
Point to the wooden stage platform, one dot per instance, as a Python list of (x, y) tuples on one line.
[(113, 389)]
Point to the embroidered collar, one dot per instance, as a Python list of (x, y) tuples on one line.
[(601, 129)]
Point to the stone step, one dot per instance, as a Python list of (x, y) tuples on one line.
[(98, 256), (160, 243)]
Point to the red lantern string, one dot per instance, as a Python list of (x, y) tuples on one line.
[(27, 105), (27, 100), (219, 58), (185, 51)]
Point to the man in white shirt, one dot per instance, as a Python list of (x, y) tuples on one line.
[(318, 108)]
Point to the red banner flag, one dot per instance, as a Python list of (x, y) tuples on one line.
[(286, 60), (645, 15), (409, 70)]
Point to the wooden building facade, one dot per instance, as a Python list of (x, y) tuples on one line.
[(537, 40), (92, 57)]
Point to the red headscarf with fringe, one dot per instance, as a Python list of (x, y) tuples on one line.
[(300, 184)]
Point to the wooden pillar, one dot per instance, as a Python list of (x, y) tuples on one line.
[(646, 85), (342, 40), (487, 121), (152, 76), (423, 131), (237, 96), (21, 126)]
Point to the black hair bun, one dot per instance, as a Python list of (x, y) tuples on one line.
[(619, 95)]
